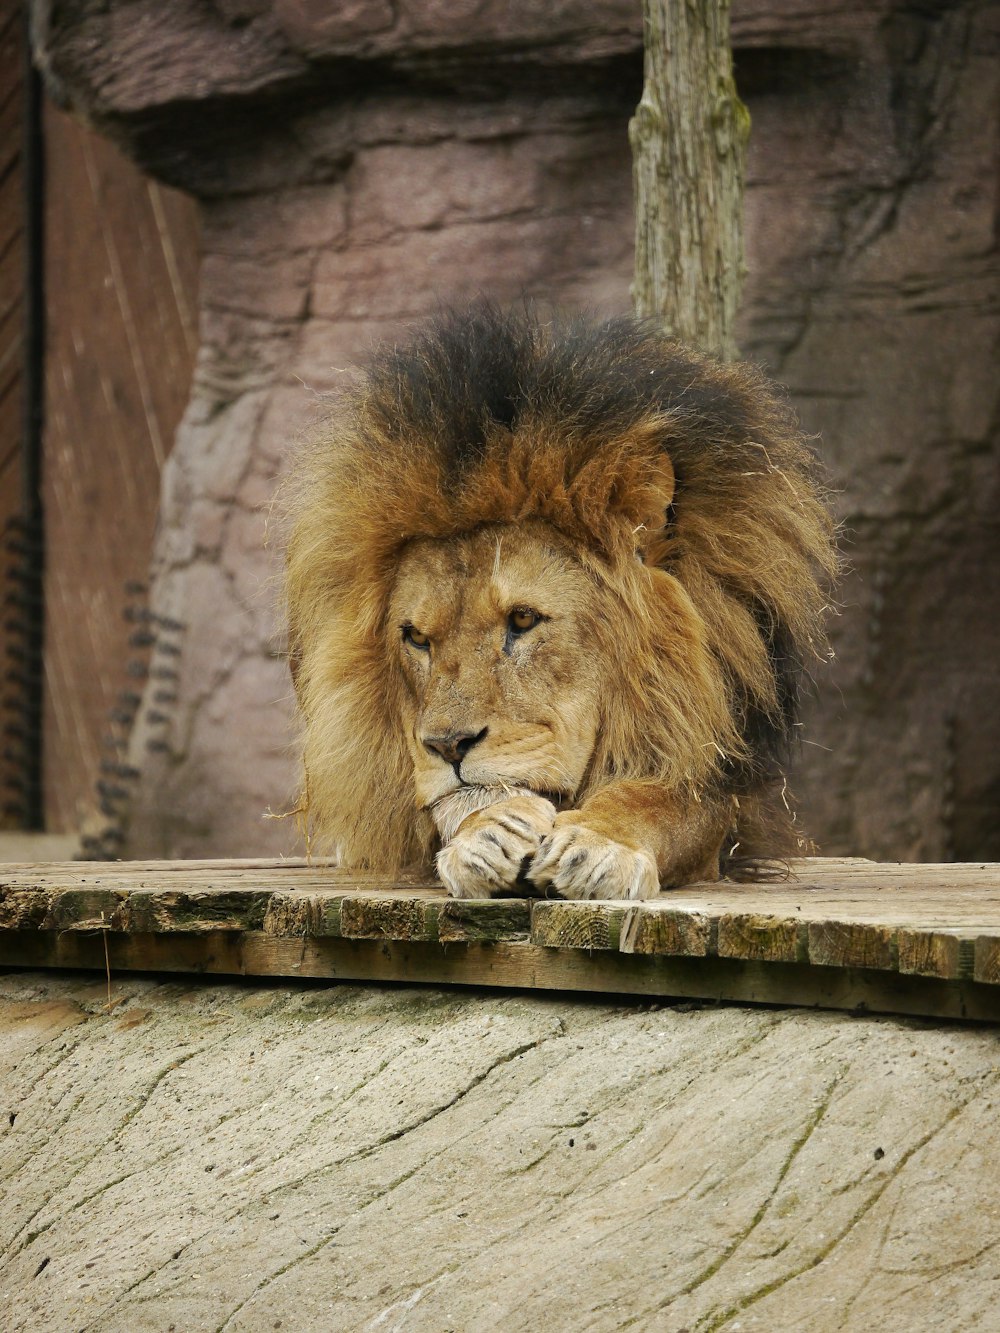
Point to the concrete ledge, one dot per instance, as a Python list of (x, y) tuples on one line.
[(247, 1156)]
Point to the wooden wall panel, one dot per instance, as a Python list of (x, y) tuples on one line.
[(121, 257)]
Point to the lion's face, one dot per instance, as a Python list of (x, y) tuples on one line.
[(493, 633)]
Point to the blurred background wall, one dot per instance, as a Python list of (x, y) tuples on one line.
[(239, 196)]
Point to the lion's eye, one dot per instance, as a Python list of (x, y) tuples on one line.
[(521, 619), (412, 635)]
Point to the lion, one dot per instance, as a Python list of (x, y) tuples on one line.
[(551, 588)]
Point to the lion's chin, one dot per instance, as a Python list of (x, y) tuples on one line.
[(451, 810)]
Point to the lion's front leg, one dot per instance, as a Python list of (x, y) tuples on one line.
[(629, 841), (492, 847)]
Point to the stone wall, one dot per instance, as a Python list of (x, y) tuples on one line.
[(875, 296), (354, 169)]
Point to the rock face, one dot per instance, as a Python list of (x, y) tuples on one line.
[(329, 1157), (358, 164), (875, 295)]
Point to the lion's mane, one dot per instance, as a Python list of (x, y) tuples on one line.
[(489, 417)]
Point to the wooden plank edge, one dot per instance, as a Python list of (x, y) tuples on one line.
[(957, 954), (949, 955), (280, 912), (517, 965), (631, 928)]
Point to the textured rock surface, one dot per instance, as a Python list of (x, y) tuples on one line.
[(245, 1157), (875, 296), (355, 169), (294, 282)]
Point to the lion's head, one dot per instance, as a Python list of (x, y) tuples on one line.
[(545, 556)]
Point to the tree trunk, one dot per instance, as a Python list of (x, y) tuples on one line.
[(688, 137)]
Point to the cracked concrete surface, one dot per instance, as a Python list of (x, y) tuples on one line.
[(243, 1157)]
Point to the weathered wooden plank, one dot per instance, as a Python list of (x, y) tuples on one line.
[(655, 930), (388, 919), (69, 910), (833, 920), (968, 904), (213, 952), (464, 920), (507, 965), (761, 937), (935, 953), (576, 925), (23, 910), (173, 911), (294, 914), (852, 944), (214, 871), (813, 884), (986, 960), (924, 897)]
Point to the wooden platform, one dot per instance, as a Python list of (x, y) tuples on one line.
[(843, 934)]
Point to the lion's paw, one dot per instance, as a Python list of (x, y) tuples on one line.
[(575, 861), (492, 848)]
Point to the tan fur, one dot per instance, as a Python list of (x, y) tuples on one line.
[(626, 688)]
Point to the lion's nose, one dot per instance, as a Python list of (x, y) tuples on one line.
[(455, 745)]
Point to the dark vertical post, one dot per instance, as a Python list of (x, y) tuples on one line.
[(31, 561)]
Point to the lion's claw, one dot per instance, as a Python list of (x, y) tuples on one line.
[(491, 849), (577, 862)]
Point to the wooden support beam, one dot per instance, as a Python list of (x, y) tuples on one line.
[(843, 934)]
